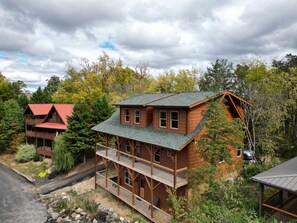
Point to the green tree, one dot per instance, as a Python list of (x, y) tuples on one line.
[(11, 125), (186, 80), (219, 76), (52, 84), (40, 96), (62, 158), (221, 136), (79, 137)]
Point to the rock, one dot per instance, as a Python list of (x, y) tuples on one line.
[(54, 215), (94, 221), (110, 210), (59, 220), (77, 217), (122, 219), (83, 213), (50, 210), (114, 215), (78, 210), (67, 219), (73, 215)]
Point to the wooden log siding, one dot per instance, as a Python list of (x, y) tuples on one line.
[(144, 119), (182, 119)]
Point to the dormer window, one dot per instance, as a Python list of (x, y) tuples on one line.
[(136, 116), (127, 115), (174, 120), (163, 119)]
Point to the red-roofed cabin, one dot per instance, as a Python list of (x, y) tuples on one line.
[(43, 123)]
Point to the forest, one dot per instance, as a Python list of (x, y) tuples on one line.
[(271, 88)]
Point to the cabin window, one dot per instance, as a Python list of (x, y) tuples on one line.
[(157, 155), (128, 179), (174, 120), (128, 147), (221, 156), (239, 152), (136, 116), (163, 119), (127, 115)]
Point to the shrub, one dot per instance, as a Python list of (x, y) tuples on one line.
[(43, 173), (37, 157), (25, 153), (60, 205)]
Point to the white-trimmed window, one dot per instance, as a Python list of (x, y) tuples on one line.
[(239, 152), (174, 119), (128, 178), (127, 115), (163, 119), (157, 155), (128, 147), (136, 116), (221, 156)]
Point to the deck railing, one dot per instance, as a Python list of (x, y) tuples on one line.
[(45, 151), (140, 205), (154, 170), (45, 135)]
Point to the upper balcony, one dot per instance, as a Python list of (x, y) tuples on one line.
[(33, 121), (172, 177)]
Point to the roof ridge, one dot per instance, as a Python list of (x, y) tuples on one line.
[(281, 176)]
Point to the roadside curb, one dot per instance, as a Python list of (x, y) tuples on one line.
[(28, 179)]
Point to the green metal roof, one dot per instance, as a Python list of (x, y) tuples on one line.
[(182, 99), (142, 99), (147, 135)]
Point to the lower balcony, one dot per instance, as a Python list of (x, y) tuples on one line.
[(45, 151), (45, 135), (142, 206), (156, 171)]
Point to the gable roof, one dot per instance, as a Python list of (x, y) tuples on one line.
[(39, 109), (149, 135), (64, 110), (51, 125), (283, 176)]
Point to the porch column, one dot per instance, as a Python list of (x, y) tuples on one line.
[(133, 187), (152, 198), (174, 172), (96, 157), (281, 198), (261, 195)]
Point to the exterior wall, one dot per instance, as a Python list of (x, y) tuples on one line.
[(195, 115), (182, 120), (54, 117), (194, 160), (145, 116)]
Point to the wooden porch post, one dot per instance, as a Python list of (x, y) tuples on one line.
[(133, 188), (106, 172), (261, 196), (118, 170), (133, 149), (96, 159), (174, 172), (152, 198), (281, 198)]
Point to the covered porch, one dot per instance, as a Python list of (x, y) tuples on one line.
[(282, 205), (138, 203)]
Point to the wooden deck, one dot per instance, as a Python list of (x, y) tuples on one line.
[(160, 174), (140, 205), (44, 151)]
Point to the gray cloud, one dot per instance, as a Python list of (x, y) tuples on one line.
[(38, 38)]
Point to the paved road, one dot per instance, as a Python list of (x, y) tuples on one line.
[(18, 200)]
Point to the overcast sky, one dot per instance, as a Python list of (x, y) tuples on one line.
[(40, 38)]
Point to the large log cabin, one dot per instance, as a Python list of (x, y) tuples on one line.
[(43, 123), (149, 144)]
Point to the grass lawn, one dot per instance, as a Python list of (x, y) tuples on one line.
[(30, 169)]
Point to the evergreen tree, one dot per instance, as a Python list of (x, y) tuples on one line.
[(220, 76), (79, 137), (221, 136), (11, 125), (40, 96)]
